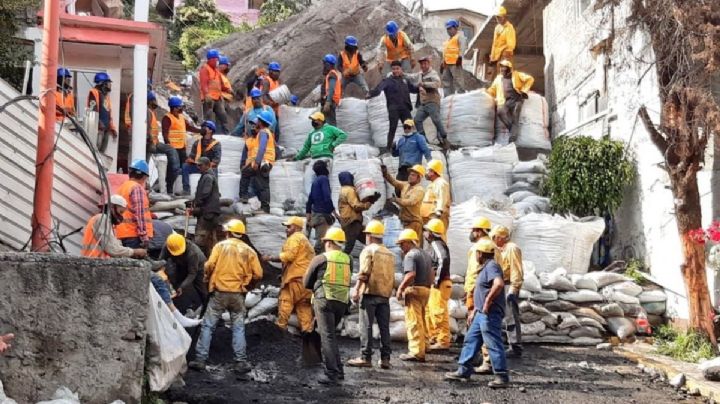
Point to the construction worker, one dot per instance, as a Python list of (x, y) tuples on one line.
[(224, 68), (486, 320), (206, 146), (252, 112), (296, 254), (437, 200), (211, 90), (136, 228), (127, 119), (64, 98), (410, 149), (350, 209), (331, 89), (98, 100), (411, 196), (319, 209), (174, 130), (428, 104), (397, 91), (206, 206), (254, 81), (480, 230), (329, 278), (437, 315), (415, 289), (503, 45), (257, 160), (395, 45), (161, 231), (510, 89), (509, 257), (352, 65), (373, 290), (323, 140), (230, 272), (451, 67), (154, 146), (184, 265), (270, 82)]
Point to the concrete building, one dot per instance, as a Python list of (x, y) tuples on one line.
[(598, 74), (239, 11)]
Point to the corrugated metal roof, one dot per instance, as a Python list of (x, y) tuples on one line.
[(76, 186)]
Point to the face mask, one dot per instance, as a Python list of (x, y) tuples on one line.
[(316, 124)]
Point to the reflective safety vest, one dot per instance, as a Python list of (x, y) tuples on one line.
[(226, 83), (273, 83), (128, 227), (199, 152), (351, 65), (253, 145), (177, 131), (336, 280), (107, 105), (154, 128), (396, 52), (451, 50), (66, 102), (128, 109), (214, 84), (337, 91), (91, 245)]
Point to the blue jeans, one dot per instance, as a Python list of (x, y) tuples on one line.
[(188, 169), (161, 287), (218, 303), (485, 328), (431, 110)]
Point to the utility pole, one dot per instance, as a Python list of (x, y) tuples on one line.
[(140, 77)]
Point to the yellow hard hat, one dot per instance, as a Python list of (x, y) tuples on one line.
[(317, 116), (295, 221), (235, 226), (506, 63), (175, 244), (408, 235), (502, 11), (418, 169), (334, 234), (375, 227), (435, 165), (409, 122), (436, 226), (481, 223), (484, 245), (500, 231)]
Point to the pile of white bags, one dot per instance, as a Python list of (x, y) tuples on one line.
[(232, 148), (527, 178), (484, 172), (352, 118), (295, 125), (365, 172), (469, 118), (533, 132), (287, 191)]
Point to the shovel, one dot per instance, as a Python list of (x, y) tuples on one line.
[(311, 347)]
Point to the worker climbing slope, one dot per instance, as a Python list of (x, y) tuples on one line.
[(211, 91)]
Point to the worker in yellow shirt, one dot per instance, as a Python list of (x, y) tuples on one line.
[(510, 89), (437, 200), (437, 315), (229, 272), (504, 42), (410, 200), (350, 209), (297, 252), (480, 229), (509, 256), (451, 66)]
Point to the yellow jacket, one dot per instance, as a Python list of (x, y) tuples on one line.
[(377, 269), (521, 81), (232, 266), (437, 198), (473, 269), (503, 41), (297, 252), (510, 259), (349, 206), (410, 200)]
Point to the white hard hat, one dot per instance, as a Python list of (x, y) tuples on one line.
[(118, 200)]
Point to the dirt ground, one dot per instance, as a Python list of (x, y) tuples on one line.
[(545, 374)]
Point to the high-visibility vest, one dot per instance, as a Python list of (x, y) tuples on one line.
[(226, 83), (64, 101), (396, 52), (248, 100), (91, 245), (177, 131), (128, 109), (451, 52), (253, 146), (95, 93), (199, 151), (154, 128), (337, 92), (128, 227), (351, 64), (214, 84), (336, 279), (273, 83)]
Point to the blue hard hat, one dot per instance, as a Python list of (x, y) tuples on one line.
[(151, 96), (140, 165), (212, 54), (224, 60), (63, 72), (253, 120), (452, 23), (101, 78), (210, 124), (330, 58), (266, 116), (294, 99), (175, 102), (274, 66), (351, 41), (255, 93), (392, 27)]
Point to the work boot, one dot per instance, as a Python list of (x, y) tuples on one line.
[(328, 381), (359, 363), (410, 358), (439, 347), (242, 367), (197, 365), (499, 382), (484, 369), (384, 363), (457, 376)]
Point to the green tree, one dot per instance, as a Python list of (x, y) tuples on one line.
[(197, 23), (273, 11), (13, 50)]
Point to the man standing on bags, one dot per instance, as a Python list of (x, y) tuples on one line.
[(206, 207), (437, 315), (428, 104), (350, 209), (411, 196), (203, 147), (174, 130), (296, 254), (352, 65), (436, 203), (98, 100), (509, 257), (136, 229), (231, 269), (410, 149), (257, 160), (319, 209), (510, 90), (451, 68), (415, 289), (329, 278), (321, 142), (331, 89), (373, 290), (397, 97), (211, 90)]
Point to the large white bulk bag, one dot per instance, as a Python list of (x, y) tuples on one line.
[(352, 118), (533, 131), (232, 148), (484, 172), (469, 118), (363, 171), (295, 125), (378, 119), (286, 185), (229, 185)]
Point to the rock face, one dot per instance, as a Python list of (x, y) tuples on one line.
[(78, 323)]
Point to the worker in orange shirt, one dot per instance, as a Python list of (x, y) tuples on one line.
[(99, 101), (451, 67), (331, 89), (270, 82), (136, 228), (154, 146), (174, 130), (211, 91), (64, 98), (395, 45), (224, 68)]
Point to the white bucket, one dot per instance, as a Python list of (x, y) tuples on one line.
[(366, 188), (194, 178), (281, 95), (229, 185)]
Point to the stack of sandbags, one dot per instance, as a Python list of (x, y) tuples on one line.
[(527, 177), (366, 172), (232, 148), (392, 163), (352, 118), (379, 125), (485, 172), (295, 125), (533, 132), (287, 191), (469, 118)]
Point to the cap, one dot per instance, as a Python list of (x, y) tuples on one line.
[(295, 221)]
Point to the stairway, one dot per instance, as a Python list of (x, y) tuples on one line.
[(172, 69)]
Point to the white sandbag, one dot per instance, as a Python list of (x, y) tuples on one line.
[(603, 279), (582, 296), (521, 186), (287, 188), (540, 204), (551, 320), (533, 179), (293, 321), (631, 309), (454, 329), (536, 166), (567, 320), (395, 304), (525, 208), (627, 287), (352, 118), (457, 309), (586, 312), (469, 118), (281, 94), (294, 125), (560, 305), (530, 317), (362, 170), (266, 232), (232, 148), (62, 395), (398, 331), (252, 298), (657, 308), (355, 151), (537, 308), (351, 329), (168, 206), (461, 218), (472, 178), (621, 327), (533, 132), (167, 344), (591, 322), (531, 283), (519, 196), (586, 332), (586, 341), (458, 291), (556, 280), (397, 315), (524, 294), (552, 241), (550, 339), (550, 331), (229, 185), (652, 296), (583, 282), (545, 295), (609, 310), (265, 306), (619, 297), (533, 328), (378, 118)]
